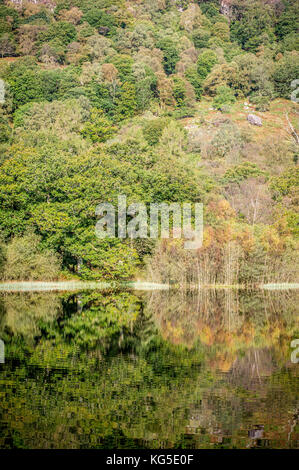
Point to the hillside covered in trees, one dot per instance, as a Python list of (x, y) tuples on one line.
[(149, 99)]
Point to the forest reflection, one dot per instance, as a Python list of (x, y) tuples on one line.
[(177, 369)]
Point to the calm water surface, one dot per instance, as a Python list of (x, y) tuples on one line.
[(149, 370)]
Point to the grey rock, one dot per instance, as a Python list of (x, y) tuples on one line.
[(254, 120)]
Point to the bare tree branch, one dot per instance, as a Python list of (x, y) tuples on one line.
[(292, 130)]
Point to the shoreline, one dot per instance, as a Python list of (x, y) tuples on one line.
[(67, 286)]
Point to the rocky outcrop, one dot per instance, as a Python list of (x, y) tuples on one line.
[(226, 6), (254, 120)]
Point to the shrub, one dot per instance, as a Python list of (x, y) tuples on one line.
[(224, 97), (262, 103), (27, 261), (285, 72), (153, 129), (227, 142), (63, 31), (99, 129), (241, 172), (5, 130), (205, 63), (171, 56)]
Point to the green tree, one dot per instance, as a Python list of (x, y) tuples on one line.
[(9, 19), (152, 130), (99, 128), (239, 173), (63, 31), (123, 63), (205, 63), (7, 45), (211, 10), (286, 70), (254, 25), (290, 42), (146, 87), (224, 97), (99, 19), (288, 21), (170, 54), (201, 38), (127, 103), (193, 77), (5, 129), (179, 91)]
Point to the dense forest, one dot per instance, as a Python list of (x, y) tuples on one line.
[(149, 99)]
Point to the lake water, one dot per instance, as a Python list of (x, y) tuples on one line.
[(163, 369)]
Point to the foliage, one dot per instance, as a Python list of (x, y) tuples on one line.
[(106, 98), (63, 31), (205, 63), (127, 103), (99, 19), (261, 103), (238, 173), (98, 129), (255, 27), (25, 260), (152, 130), (137, 382), (224, 97), (195, 80), (5, 130), (170, 54), (286, 70), (102, 100), (226, 141), (288, 21)]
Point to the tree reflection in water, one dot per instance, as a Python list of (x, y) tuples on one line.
[(175, 369)]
